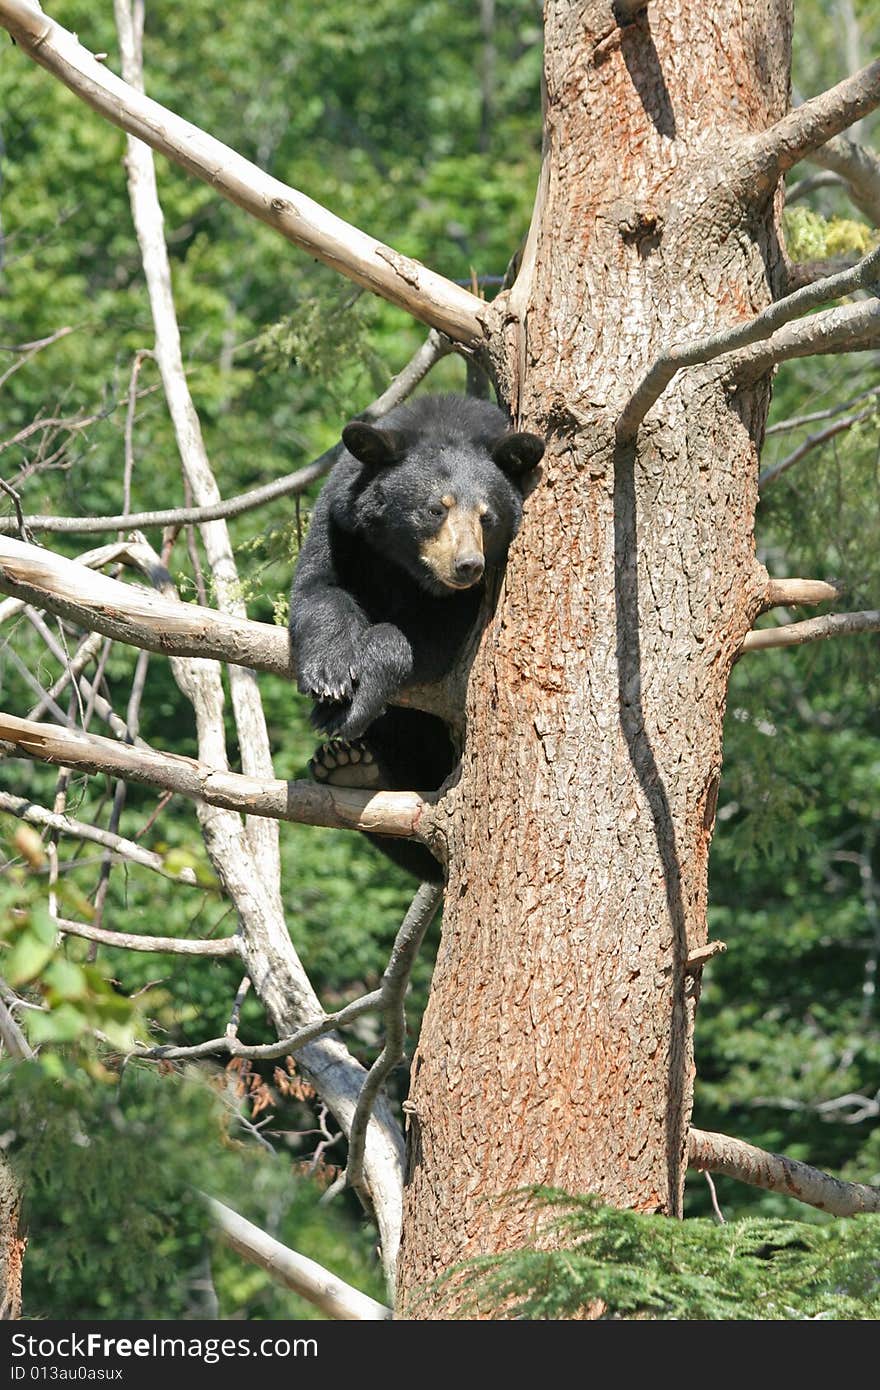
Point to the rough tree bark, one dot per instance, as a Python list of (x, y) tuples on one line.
[(556, 1048)]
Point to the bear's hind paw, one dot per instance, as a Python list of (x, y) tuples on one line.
[(341, 763)]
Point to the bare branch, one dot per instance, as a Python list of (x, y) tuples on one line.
[(405, 282), (804, 187), (307, 803), (310, 1280), (169, 945), (812, 630), (229, 1044), (435, 347), (719, 1153), (395, 982), (781, 592), (29, 350), (859, 169), (79, 830), (813, 441), (765, 324), (812, 124), (850, 328), (701, 954), (102, 707), (797, 421), (12, 1038)]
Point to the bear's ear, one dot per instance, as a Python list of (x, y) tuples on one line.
[(374, 447), (516, 454)]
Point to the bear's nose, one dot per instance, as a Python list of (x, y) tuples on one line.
[(468, 568)]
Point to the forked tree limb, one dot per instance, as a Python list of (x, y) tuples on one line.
[(849, 328), (405, 282), (729, 340), (310, 1280), (403, 814), (719, 1153)]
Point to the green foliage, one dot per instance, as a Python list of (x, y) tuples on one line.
[(111, 1173), (639, 1266), (811, 237)]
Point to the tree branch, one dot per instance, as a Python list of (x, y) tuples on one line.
[(811, 630), (763, 327), (405, 282), (858, 167), (813, 441), (307, 803), (718, 1153), (230, 1046), (850, 328), (142, 618), (435, 347), (812, 124), (170, 945), (80, 830), (310, 1280), (394, 986), (781, 592)]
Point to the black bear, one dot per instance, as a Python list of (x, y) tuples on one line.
[(389, 585)]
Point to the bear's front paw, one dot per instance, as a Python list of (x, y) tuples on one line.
[(329, 679)]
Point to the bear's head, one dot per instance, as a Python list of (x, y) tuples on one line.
[(438, 487)]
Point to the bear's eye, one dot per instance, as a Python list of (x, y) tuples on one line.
[(488, 520), (436, 511)]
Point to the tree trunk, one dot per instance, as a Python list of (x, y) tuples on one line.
[(12, 1244), (556, 1048)]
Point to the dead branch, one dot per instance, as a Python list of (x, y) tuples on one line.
[(701, 954), (169, 945), (29, 350), (813, 441), (857, 167), (306, 803), (428, 296), (719, 1153), (850, 328), (229, 1044), (760, 328), (811, 125), (435, 347), (812, 630), (310, 1280), (781, 592), (796, 422), (395, 982), (123, 849)]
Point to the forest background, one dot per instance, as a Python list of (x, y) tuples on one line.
[(421, 124)]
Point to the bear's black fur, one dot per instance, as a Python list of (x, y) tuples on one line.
[(389, 584)]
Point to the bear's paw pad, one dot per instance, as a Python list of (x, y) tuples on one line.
[(341, 763)]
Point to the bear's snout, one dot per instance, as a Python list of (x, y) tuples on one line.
[(454, 554)]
